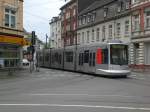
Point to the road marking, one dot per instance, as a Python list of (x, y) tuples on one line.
[(83, 106), (84, 95)]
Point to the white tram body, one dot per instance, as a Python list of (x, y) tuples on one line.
[(106, 59)]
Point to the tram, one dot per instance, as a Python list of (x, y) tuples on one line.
[(105, 59)]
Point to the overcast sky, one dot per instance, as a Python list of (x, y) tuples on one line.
[(37, 14)]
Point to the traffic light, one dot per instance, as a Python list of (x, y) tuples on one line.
[(33, 40)]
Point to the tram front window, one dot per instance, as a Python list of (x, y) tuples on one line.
[(119, 54)]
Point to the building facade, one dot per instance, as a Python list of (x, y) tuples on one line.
[(11, 33), (69, 23), (105, 20), (140, 34), (55, 40)]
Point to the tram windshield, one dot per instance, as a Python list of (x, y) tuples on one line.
[(119, 54)]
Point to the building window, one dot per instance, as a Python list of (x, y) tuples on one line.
[(83, 37), (105, 12), (148, 19), (136, 1), (93, 36), (74, 25), (88, 18), (127, 27), (97, 35), (136, 22), (110, 32), (68, 15), (118, 29), (88, 36), (127, 5), (78, 38), (74, 11), (10, 18), (83, 20), (80, 21), (103, 33), (93, 16), (120, 6)]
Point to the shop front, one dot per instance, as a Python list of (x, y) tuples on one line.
[(11, 52)]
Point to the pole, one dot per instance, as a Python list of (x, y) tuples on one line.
[(46, 40)]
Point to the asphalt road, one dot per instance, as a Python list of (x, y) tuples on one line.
[(59, 91)]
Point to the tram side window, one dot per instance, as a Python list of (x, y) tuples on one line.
[(56, 57), (47, 57), (40, 58), (60, 59), (93, 59), (79, 60), (6, 63), (105, 56), (82, 59), (53, 58), (90, 59), (69, 56), (86, 56)]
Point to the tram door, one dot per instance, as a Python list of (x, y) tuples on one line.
[(92, 63), (86, 61)]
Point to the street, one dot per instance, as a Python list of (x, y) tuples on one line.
[(61, 91)]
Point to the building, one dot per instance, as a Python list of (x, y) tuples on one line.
[(140, 58), (69, 23), (105, 20), (11, 33), (55, 40)]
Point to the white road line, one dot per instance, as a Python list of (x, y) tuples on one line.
[(81, 95), (81, 106)]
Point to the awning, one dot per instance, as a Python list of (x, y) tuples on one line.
[(13, 40)]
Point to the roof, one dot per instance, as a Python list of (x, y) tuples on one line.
[(68, 4), (95, 5)]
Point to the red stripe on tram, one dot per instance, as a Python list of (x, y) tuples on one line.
[(99, 56)]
